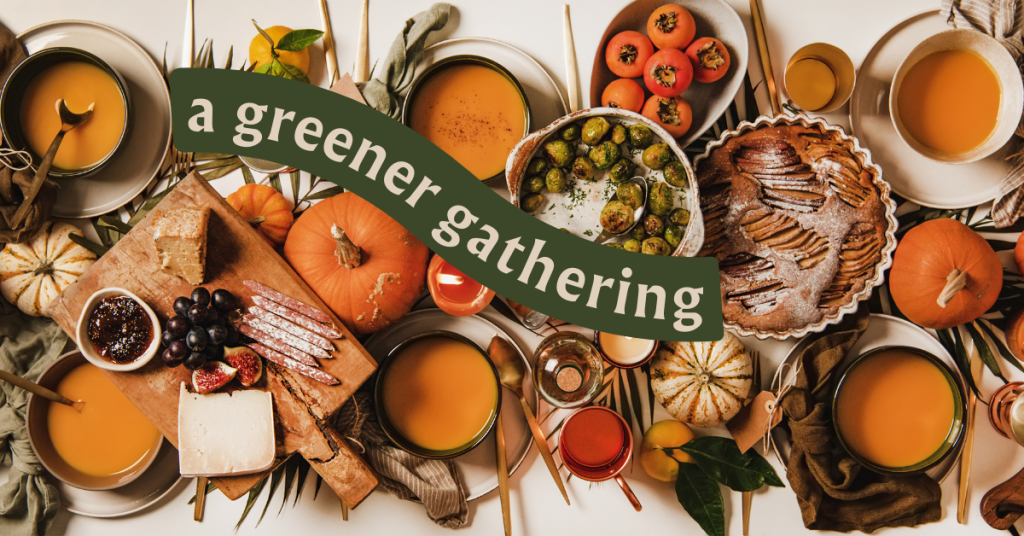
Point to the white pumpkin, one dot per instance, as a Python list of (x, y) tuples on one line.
[(702, 383), (35, 272)]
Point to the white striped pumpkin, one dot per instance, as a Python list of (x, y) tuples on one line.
[(702, 383), (35, 272)]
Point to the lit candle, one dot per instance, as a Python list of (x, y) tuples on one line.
[(626, 352), (453, 291)]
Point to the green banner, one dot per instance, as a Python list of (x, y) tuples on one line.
[(445, 206)]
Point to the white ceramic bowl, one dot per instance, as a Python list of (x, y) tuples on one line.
[(1011, 101), (82, 335)]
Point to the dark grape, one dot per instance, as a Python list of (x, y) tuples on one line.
[(178, 326), (216, 319), (181, 305), (166, 338), (218, 334), (214, 352), (196, 339), (199, 314), (223, 300), (201, 296), (179, 349), (232, 338), (169, 359), (195, 360)]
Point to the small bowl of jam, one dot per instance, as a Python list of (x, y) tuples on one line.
[(118, 331)]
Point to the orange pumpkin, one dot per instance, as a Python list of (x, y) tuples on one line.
[(265, 209), (365, 266), (1015, 333), (1018, 254), (944, 274)]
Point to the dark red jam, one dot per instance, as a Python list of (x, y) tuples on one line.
[(120, 329)]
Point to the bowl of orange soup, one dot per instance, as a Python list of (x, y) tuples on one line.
[(28, 112), (898, 410), (106, 445), (957, 97), (437, 395), (473, 109)]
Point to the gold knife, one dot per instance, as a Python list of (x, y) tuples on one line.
[(766, 60), (968, 451), (499, 447), (755, 388)]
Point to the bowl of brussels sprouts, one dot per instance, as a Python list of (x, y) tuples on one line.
[(578, 174)]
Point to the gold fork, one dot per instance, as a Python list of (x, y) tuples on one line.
[(755, 388)]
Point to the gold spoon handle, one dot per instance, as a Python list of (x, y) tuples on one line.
[(37, 182), (31, 387), (542, 446), (499, 448)]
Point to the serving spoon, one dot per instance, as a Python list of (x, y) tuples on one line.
[(68, 122), (35, 388), (638, 213)]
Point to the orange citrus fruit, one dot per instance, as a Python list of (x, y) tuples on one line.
[(259, 50), (656, 462)]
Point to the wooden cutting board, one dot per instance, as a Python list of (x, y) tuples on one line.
[(235, 252)]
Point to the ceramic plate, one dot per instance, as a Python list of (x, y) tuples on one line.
[(478, 465), (138, 161), (912, 175), (884, 330), (714, 18)]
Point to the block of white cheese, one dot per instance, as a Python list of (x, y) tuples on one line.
[(180, 237), (223, 434)]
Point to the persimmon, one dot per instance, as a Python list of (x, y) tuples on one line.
[(627, 52), (623, 93), (668, 72), (671, 26), (710, 59), (673, 114)]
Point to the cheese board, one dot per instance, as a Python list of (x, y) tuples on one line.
[(236, 253)]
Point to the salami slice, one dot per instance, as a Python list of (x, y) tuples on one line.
[(285, 337), (270, 341), (291, 303), (287, 362), (326, 330), (293, 329)]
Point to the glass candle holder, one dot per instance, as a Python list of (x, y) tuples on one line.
[(453, 291), (625, 352)]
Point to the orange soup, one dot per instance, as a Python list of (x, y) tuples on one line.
[(439, 393), (473, 113), (79, 84), (895, 408), (109, 437), (949, 101)]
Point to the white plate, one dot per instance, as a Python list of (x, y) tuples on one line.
[(912, 175), (478, 469), (885, 330), (138, 161)]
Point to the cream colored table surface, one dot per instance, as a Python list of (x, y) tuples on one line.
[(536, 27)]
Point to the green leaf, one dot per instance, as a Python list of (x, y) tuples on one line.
[(326, 193), (250, 501), (210, 488), (114, 223), (97, 249), (275, 479), (275, 182), (1003, 350), (316, 488), (212, 164), (301, 482), (722, 460), (247, 175), (297, 40), (964, 359), (290, 72), (701, 498), (291, 468), (265, 68), (296, 177), (984, 351), (221, 171)]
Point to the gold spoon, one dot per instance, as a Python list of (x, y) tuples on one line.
[(511, 371), (35, 388), (68, 122)]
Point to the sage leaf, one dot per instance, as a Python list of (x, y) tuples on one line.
[(722, 460), (297, 40), (701, 498)]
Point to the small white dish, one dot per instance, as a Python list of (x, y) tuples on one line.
[(82, 335), (1011, 101)]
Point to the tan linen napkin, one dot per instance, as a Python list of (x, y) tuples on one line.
[(833, 490)]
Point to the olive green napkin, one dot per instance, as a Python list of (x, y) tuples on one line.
[(833, 490), (400, 65), (28, 345)]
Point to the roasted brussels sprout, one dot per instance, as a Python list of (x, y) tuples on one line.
[(613, 245), (657, 155), (653, 225), (583, 168), (605, 155), (533, 184), (640, 136), (618, 134), (532, 202), (630, 194), (558, 152), (571, 132), (655, 246), (555, 180), (616, 217), (675, 174), (673, 235), (632, 245), (622, 170), (680, 217), (660, 200), (594, 129), (536, 167), (638, 233)]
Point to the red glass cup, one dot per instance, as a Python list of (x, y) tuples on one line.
[(453, 291), (595, 445)]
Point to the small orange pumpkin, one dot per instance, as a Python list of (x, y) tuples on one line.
[(944, 274), (1015, 333), (365, 266), (265, 209), (1018, 254)]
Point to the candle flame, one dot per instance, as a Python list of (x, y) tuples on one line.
[(449, 279)]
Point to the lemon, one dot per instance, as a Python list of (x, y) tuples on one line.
[(259, 50), (656, 462)]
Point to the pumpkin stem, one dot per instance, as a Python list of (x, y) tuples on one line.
[(349, 255), (257, 220), (44, 268), (955, 282)]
